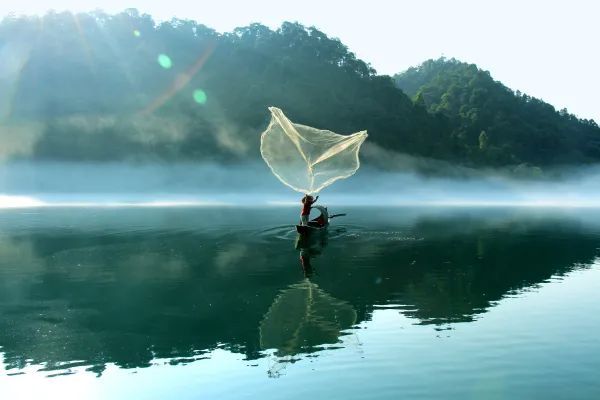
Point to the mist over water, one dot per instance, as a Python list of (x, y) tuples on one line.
[(28, 184)]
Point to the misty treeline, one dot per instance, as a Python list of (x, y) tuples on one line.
[(99, 87)]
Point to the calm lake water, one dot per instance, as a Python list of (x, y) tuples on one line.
[(223, 303)]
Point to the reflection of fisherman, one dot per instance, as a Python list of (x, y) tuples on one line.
[(307, 202), (305, 262)]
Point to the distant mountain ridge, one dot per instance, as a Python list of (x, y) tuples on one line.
[(99, 87), (491, 124)]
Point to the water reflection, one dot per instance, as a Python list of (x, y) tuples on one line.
[(127, 287), (309, 247), (302, 319)]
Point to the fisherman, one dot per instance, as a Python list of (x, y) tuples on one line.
[(307, 202)]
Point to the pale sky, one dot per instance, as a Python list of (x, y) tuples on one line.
[(546, 48)]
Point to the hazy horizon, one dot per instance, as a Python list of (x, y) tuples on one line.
[(118, 184)]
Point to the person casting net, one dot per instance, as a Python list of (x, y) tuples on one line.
[(308, 159)]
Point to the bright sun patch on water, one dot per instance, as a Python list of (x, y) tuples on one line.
[(9, 202), (19, 202)]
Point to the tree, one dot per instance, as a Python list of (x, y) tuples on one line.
[(483, 141), (525, 129)]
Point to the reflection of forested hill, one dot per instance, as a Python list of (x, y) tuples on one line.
[(163, 285), (113, 87), (454, 273)]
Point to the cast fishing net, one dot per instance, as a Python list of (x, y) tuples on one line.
[(308, 159)]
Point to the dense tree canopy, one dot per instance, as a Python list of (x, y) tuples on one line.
[(491, 124), (103, 87)]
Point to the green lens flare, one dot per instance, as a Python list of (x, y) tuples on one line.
[(137, 33), (200, 96), (164, 61)]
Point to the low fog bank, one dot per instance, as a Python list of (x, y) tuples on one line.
[(251, 184)]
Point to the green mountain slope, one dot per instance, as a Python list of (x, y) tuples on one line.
[(492, 125), (98, 87), (113, 87)]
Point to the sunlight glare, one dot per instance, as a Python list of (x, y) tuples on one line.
[(164, 61), (200, 96), (19, 202)]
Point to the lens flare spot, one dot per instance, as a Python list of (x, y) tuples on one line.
[(164, 61), (200, 96), (137, 33)]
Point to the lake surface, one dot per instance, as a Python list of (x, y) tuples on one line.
[(224, 303)]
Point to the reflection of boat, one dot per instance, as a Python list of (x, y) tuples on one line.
[(315, 225), (312, 244), (309, 246), (302, 318)]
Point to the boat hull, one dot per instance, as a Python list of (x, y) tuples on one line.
[(310, 230)]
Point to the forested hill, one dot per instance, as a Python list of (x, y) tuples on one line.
[(491, 124), (98, 87), (112, 87)]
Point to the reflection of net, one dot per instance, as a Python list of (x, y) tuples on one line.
[(302, 318), (308, 159), (278, 366)]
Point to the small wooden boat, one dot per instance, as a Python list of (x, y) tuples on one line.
[(316, 225), (310, 229)]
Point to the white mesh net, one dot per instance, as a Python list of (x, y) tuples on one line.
[(308, 159)]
